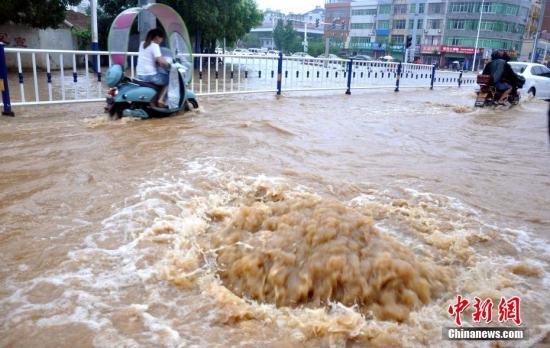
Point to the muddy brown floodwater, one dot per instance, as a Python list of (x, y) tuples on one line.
[(310, 220)]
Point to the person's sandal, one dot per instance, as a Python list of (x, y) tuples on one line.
[(161, 104)]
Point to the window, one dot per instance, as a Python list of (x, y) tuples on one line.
[(384, 9), (400, 9), (336, 13), (411, 24), (435, 8), (399, 24), (361, 25), (383, 25), (364, 12), (488, 7), (536, 70), (360, 39), (434, 23), (420, 24), (413, 8), (397, 39), (456, 24), (421, 8)]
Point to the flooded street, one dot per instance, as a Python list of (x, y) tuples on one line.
[(232, 225)]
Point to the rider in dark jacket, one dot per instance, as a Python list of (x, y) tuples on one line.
[(502, 75)]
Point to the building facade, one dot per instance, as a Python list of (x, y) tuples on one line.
[(337, 17), (263, 34), (502, 25), (362, 25)]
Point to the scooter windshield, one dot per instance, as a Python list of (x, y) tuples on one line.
[(178, 38)]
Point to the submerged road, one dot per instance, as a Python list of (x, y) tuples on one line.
[(231, 225)]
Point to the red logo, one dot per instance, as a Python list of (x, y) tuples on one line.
[(458, 308), (507, 310)]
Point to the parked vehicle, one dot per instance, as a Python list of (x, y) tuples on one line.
[(329, 56), (362, 57), (241, 52), (272, 53), (537, 79), (387, 59), (257, 51), (135, 98), (301, 54)]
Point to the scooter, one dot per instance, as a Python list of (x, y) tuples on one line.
[(129, 97), (488, 95)]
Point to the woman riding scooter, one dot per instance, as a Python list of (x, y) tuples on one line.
[(149, 58)]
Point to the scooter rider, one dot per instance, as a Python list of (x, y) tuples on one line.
[(148, 58), (502, 75)]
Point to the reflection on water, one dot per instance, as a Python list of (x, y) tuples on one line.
[(309, 220)]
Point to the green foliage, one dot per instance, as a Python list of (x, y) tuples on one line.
[(210, 19), (286, 38), (83, 37), (250, 40), (315, 47), (36, 13)]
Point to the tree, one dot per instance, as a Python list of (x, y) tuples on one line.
[(316, 46), (36, 13), (206, 20), (285, 36)]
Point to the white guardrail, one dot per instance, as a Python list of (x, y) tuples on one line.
[(61, 76)]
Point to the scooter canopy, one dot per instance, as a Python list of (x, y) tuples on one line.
[(176, 32)]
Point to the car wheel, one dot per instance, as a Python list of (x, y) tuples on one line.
[(531, 93)]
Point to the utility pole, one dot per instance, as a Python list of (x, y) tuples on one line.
[(539, 28), (305, 36), (95, 44), (412, 50), (477, 37)]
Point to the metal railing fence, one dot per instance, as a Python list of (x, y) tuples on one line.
[(64, 76)]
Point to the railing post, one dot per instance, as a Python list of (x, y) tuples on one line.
[(460, 79), (6, 111), (398, 77), (279, 72), (350, 68), (433, 77)]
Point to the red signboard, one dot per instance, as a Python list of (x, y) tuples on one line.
[(462, 50), (430, 49)]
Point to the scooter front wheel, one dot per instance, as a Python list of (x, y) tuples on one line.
[(194, 102)]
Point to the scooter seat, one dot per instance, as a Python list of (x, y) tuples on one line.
[(147, 84)]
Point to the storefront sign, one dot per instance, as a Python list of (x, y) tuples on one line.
[(430, 49), (436, 49), (460, 50)]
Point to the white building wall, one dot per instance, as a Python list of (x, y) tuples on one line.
[(370, 19)]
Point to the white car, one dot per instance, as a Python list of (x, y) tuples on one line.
[(257, 51), (537, 79), (301, 54), (272, 53), (241, 52)]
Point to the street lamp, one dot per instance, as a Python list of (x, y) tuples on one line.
[(477, 37)]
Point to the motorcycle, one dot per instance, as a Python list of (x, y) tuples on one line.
[(135, 98), (488, 95)]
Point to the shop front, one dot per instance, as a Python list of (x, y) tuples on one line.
[(460, 58), (450, 57)]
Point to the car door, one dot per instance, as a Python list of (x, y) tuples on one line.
[(545, 81), (538, 81)]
